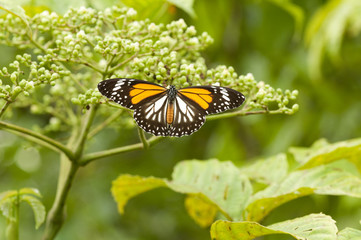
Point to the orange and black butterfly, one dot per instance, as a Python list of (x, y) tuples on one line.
[(167, 111)]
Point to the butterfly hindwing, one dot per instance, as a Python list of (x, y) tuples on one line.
[(187, 119), (151, 116), (130, 93), (213, 99)]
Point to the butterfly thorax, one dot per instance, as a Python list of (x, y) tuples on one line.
[(172, 93)]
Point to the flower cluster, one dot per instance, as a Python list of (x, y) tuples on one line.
[(70, 54)]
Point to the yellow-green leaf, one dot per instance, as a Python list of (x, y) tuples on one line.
[(317, 155), (310, 227), (349, 234), (38, 209), (200, 209), (270, 170), (221, 182), (127, 186), (319, 180)]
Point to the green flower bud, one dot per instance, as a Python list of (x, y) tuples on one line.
[(14, 77)]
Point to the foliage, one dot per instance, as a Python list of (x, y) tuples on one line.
[(213, 186), (10, 204)]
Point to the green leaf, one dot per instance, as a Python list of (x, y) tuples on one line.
[(38, 209), (320, 180), (127, 186), (7, 204), (349, 234), (221, 182), (269, 170), (214, 183), (321, 153), (226, 230), (310, 227), (201, 210), (156, 8), (185, 5), (7, 208), (10, 199), (30, 191)]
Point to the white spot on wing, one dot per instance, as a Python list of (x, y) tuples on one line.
[(159, 103)]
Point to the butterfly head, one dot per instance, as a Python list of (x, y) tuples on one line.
[(172, 93)]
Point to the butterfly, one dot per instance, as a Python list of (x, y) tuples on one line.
[(167, 111)]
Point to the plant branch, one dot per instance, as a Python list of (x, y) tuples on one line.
[(79, 146), (142, 138), (56, 214), (110, 119), (242, 112), (106, 153), (3, 109), (42, 138), (122, 63)]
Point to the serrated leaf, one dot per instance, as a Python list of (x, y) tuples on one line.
[(320, 180), (201, 210), (31, 191), (127, 186), (38, 209), (221, 182), (349, 234), (350, 149), (8, 200), (7, 208), (7, 194), (311, 227), (269, 170)]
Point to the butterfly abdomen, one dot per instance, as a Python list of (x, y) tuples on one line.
[(170, 113)]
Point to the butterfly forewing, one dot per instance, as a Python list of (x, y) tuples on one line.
[(130, 92), (213, 99)]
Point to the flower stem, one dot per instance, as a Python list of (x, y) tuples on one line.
[(42, 138), (56, 214), (106, 153)]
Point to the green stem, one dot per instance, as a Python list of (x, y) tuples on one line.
[(142, 138), (67, 173), (38, 136), (102, 125), (3, 109), (56, 214), (122, 63), (236, 113), (106, 153), (79, 146)]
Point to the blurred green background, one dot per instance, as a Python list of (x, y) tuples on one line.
[(313, 46)]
